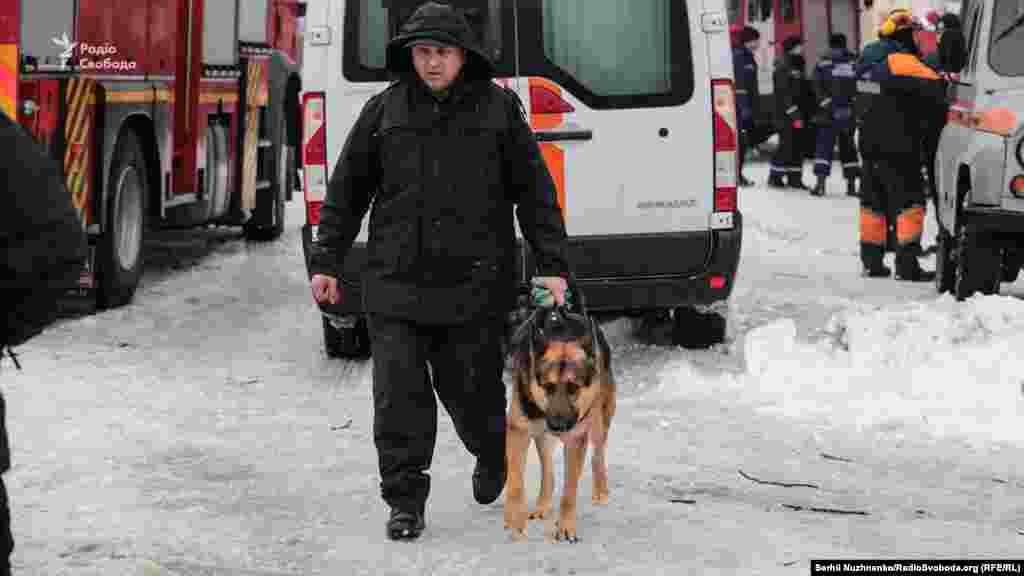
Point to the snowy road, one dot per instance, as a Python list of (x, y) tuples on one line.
[(202, 431)]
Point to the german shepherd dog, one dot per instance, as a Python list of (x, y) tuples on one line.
[(562, 386)]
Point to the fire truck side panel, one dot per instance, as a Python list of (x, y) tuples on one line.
[(162, 42), (112, 36)]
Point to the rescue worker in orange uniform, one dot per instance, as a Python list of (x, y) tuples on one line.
[(903, 93)]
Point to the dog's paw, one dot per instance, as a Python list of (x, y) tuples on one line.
[(516, 535), (601, 499), (565, 531), (540, 512)]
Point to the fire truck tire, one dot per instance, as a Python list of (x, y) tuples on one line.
[(119, 258), (348, 343)]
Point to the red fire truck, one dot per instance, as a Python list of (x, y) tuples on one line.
[(164, 113)]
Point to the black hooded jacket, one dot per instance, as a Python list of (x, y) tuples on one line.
[(443, 177), (42, 243)]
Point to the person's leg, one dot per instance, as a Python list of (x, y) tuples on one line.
[(823, 145), (779, 168), (873, 221), (907, 196), (404, 421), (468, 363), (848, 156), (6, 536)]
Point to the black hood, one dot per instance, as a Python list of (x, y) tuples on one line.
[(442, 23)]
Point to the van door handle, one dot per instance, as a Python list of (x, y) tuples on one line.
[(563, 135)]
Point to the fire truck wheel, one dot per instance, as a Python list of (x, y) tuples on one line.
[(352, 343), (280, 191), (119, 258)]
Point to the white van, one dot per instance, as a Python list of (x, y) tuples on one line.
[(979, 166), (633, 105)]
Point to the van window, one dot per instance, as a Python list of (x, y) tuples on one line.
[(612, 48), (1007, 38), (371, 24), (43, 21), (610, 54), (759, 10)]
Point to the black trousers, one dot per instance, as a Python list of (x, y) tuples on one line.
[(463, 365), (788, 160), (6, 537)]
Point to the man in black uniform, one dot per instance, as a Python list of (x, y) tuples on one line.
[(836, 86), (445, 156), (790, 84)]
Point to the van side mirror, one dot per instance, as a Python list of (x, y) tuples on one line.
[(952, 51)]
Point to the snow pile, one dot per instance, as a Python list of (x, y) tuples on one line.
[(952, 368)]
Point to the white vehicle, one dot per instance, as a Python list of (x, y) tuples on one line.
[(980, 161), (633, 105)]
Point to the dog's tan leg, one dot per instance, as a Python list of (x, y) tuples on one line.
[(575, 454), (598, 463), (545, 448), (517, 442)]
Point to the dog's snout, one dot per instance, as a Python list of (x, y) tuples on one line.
[(561, 423)]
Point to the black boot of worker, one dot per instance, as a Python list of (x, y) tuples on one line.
[(819, 187), (872, 263), (796, 181), (775, 181), (908, 269), (851, 187)]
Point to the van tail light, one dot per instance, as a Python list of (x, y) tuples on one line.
[(723, 107), (314, 154), (545, 101), (1017, 186)]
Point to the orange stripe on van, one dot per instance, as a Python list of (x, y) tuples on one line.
[(554, 156), (9, 80)]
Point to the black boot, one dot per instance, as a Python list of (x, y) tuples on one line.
[(744, 183), (775, 181), (871, 258), (851, 187), (796, 181), (908, 268), (488, 481), (405, 523), (819, 187)]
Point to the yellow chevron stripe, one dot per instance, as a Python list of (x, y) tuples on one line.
[(8, 79), (164, 96)]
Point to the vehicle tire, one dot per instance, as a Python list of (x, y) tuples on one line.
[(694, 329), (282, 180), (945, 264), (119, 254), (348, 343), (1011, 267), (979, 263)]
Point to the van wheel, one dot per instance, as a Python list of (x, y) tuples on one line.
[(945, 264), (979, 263), (119, 258), (695, 330), (344, 342)]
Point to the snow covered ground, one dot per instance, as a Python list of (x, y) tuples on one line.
[(202, 431)]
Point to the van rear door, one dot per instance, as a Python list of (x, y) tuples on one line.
[(619, 98)]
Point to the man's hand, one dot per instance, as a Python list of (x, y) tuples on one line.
[(325, 289), (556, 286)]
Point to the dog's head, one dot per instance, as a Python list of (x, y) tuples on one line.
[(563, 367)]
